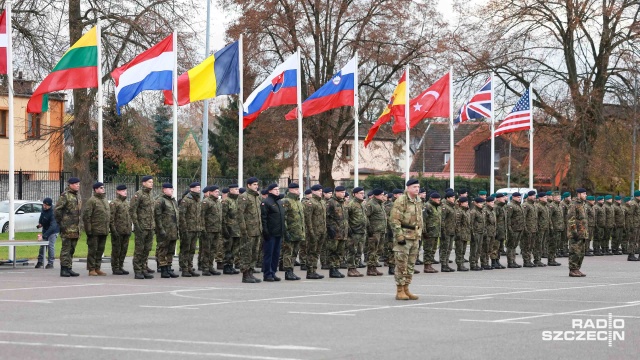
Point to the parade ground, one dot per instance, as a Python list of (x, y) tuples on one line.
[(501, 314)]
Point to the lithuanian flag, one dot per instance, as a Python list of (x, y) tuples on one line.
[(216, 75), (394, 108), (77, 69)]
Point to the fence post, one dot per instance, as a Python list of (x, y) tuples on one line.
[(61, 182), (137, 182), (20, 185)]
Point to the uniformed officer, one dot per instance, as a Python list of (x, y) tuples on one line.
[(337, 230), (530, 234), (478, 231), (230, 229), (449, 225), (166, 216), (634, 239), (423, 197), (388, 248), (609, 225), (67, 214), (601, 224), (141, 211), (432, 218), (463, 231), (302, 253), (628, 222), (501, 230), (315, 218), (515, 227), (544, 224), (489, 242), (556, 227), (212, 215), (591, 221), (120, 224), (564, 243), (250, 221), (191, 226), (295, 232), (377, 227), (577, 232), (618, 230), (357, 231), (95, 216), (327, 193)]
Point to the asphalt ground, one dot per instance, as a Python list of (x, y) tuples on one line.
[(499, 314)]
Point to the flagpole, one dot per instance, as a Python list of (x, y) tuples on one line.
[(299, 94), (100, 104), (451, 145), (174, 167), (356, 125), (240, 113), (493, 142), (12, 170), (530, 138), (205, 112), (407, 123)]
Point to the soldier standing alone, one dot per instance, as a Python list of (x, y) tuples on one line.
[(67, 214), (577, 232)]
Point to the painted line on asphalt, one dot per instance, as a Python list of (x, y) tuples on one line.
[(49, 287), (315, 303), (190, 306), (566, 300), (565, 313), (492, 321), (130, 294), (557, 289)]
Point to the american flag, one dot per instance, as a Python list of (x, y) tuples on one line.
[(479, 106), (519, 118)]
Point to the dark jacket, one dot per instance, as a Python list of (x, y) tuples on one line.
[(272, 216), (48, 222)]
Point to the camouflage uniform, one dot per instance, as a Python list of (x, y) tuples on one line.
[(530, 235), (387, 249), (141, 210), (591, 221), (337, 230), (407, 224), (634, 243), (212, 214), (601, 223), (618, 230), (628, 226), (191, 225), (557, 226), (377, 221), (515, 227), (448, 232), (432, 219), (358, 223), (294, 229), (120, 223), (478, 232), (315, 218), (167, 218), (564, 241), (323, 252), (501, 230), (463, 233), (544, 224), (490, 242), (95, 217), (67, 214), (302, 253), (230, 229), (249, 216), (577, 232), (608, 227)]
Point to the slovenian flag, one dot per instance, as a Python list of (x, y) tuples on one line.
[(151, 70), (336, 93), (216, 75), (279, 88)]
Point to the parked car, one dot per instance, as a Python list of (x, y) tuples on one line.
[(27, 214)]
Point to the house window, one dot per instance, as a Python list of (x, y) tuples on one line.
[(446, 158), (3, 123), (346, 151), (33, 126)]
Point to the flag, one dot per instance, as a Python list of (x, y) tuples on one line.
[(279, 88), (151, 70), (335, 93), (216, 75), (77, 69), (4, 41), (519, 118), (479, 106), (433, 102), (394, 108)]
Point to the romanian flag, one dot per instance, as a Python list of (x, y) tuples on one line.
[(77, 69), (395, 108), (216, 75)]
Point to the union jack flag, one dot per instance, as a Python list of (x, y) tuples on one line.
[(479, 106), (519, 118)]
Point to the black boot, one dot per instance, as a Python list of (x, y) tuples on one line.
[(303, 267), (289, 275), (500, 266), (335, 273), (281, 266), (171, 273), (247, 278), (164, 272), (419, 262), (462, 268), (255, 279), (392, 270), (39, 265), (72, 273), (139, 276), (361, 265), (227, 270), (314, 276), (632, 257), (64, 272)]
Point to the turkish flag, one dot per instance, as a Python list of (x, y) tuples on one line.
[(431, 103)]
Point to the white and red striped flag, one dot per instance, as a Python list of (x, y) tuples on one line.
[(519, 118), (3, 43)]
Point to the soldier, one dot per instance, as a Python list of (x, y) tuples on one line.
[(67, 214), (423, 197), (601, 223), (166, 216), (618, 229), (406, 220), (212, 215), (224, 193), (609, 225), (515, 227), (530, 234), (273, 229), (388, 248), (315, 218), (591, 221), (357, 233), (295, 230), (120, 224), (337, 230), (628, 220), (377, 227), (501, 230), (463, 231), (448, 230), (482, 194), (543, 221), (556, 227), (478, 231), (634, 245), (250, 221), (141, 211), (302, 254), (95, 216), (577, 232), (489, 242), (191, 226), (230, 230), (327, 193), (564, 243), (432, 220)]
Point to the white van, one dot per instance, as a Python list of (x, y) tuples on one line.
[(510, 191)]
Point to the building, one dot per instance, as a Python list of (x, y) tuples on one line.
[(190, 148)]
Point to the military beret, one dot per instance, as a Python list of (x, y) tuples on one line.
[(599, 198), (482, 192), (627, 198), (370, 193), (516, 194), (608, 197), (377, 192), (463, 199), (242, 190), (307, 192), (449, 194), (580, 190), (412, 182), (531, 193), (264, 192), (479, 199), (47, 201), (423, 190), (549, 193), (316, 187), (73, 180), (225, 190), (167, 186), (233, 186), (272, 186), (499, 195), (357, 190), (566, 194), (526, 196), (146, 178), (591, 198), (121, 187), (448, 190), (327, 190), (490, 199), (97, 185), (434, 195), (618, 197), (340, 188), (205, 189), (213, 188), (397, 191), (463, 191), (293, 186), (194, 184), (636, 193), (252, 180), (389, 196)]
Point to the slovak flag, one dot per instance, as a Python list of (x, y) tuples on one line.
[(279, 88), (151, 70), (336, 93)]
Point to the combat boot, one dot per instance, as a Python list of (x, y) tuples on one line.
[(213, 272), (139, 276), (303, 267), (500, 266), (409, 294), (429, 270), (193, 273), (206, 272), (581, 273), (392, 270), (514, 265), (574, 273), (371, 271), (171, 273), (255, 279), (361, 265), (354, 273), (475, 267), (147, 275), (335, 273), (64, 272), (72, 273), (281, 266), (462, 268), (314, 276), (289, 275), (92, 273), (487, 267), (539, 263), (445, 268), (632, 257), (186, 273), (247, 278), (529, 264), (100, 272), (419, 262), (117, 272), (149, 271), (164, 272), (554, 263), (400, 294)]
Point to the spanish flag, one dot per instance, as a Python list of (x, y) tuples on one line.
[(395, 108), (77, 69), (216, 75)]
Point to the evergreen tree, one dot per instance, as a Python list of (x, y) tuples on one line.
[(164, 138)]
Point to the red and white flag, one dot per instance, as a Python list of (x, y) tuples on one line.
[(431, 103), (3, 43)]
